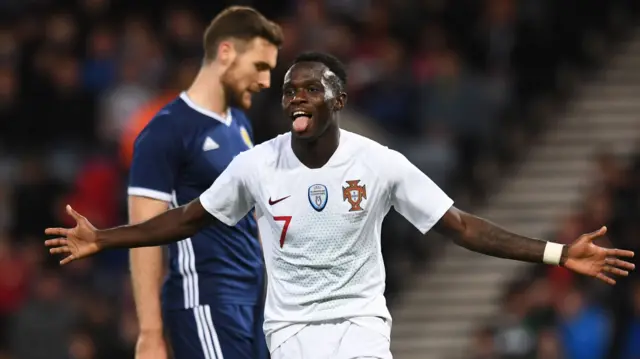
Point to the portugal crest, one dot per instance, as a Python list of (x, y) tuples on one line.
[(318, 196), (354, 194)]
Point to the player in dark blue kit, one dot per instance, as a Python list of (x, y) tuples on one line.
[(212, 299)]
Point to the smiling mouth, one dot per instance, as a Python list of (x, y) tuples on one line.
[(301, 120)]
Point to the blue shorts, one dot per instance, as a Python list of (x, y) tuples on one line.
[(217, 332)]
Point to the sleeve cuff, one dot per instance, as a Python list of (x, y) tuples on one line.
[(437, 215), (219, 216), (150, 193)]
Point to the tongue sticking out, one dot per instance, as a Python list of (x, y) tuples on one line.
[(301, 123)]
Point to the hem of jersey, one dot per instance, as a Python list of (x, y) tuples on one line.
[(221, 217), (439, 214), (277, 338), (149, 193), (212, 303)]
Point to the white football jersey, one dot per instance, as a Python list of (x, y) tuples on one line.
[(320, 227)]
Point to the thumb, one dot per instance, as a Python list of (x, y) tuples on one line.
[(73, 213), (595, 235)]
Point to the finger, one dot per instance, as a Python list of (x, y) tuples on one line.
[(605, 279), (620, 253), (58, 242), (594, 235), (620, 263), (67, 260), (58, 250), (615, 271), (56, 231), (72, 212)]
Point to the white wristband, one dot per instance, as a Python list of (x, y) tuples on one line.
[(552, 253)]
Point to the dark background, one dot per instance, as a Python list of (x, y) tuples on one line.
[(456, 85)]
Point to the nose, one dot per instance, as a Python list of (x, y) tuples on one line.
[(264, 79), (299, 97)]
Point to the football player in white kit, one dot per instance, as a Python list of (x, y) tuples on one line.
[(321, 194)]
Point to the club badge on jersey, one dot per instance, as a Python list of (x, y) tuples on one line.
[(318, 196), (354, 194), (245, 137)]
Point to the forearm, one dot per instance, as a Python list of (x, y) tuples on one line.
[(147, 270), (484, 237), (170, 226)]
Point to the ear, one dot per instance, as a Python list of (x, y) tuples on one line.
[(226, 52), (341, 101)]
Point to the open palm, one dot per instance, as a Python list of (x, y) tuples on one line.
[(77, 242), (586, 258)]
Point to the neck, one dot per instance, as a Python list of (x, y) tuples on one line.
[(207, 91), (316, 153)]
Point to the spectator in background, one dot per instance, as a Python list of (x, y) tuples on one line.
[(180, 79), (483, 344), (389, 100), (100, 67), (35, 338), (14, 277), (32, 198), (585, 329), (184, 34), (631, 339), (549, 345), (514, 340)]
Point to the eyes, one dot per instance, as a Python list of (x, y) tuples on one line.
[(312, 89)]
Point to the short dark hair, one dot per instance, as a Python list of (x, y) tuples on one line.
[(242, 23), (331, 62)]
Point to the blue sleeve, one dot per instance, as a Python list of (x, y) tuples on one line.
[(156, 159)]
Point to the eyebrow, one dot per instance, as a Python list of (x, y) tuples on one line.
[(310, 81), (262, 65)]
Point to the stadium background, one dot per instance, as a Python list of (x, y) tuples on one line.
[(462, 87)]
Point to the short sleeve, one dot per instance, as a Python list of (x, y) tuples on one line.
[(413, 194), (229, 198), (156, 160)]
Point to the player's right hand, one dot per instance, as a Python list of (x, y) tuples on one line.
[(151, 346), (78, 242)]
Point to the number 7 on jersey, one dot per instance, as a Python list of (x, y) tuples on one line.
[(285, 227)]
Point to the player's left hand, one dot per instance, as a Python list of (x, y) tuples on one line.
[(584, 257)]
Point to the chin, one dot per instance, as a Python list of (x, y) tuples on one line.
[(305, 136)]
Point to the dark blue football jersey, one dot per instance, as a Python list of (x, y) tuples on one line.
[(177, 156)]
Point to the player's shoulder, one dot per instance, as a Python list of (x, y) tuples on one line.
[(267, 152), (168, 116), (365, 146)]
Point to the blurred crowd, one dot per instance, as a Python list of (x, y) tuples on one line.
[(453, 84), (552, 314)]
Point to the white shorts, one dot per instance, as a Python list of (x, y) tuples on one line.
[(334, 340)]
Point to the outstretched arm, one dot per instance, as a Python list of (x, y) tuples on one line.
[(482, 236), (227, 201), (84, 239), (425, 205), (581, 256), (170, 226)]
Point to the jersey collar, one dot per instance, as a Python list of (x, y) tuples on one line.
[(226, 120)]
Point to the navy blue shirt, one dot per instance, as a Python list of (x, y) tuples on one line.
[(177, 156)]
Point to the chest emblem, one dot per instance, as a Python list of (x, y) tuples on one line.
[(209, 144), (318, 196), (245, 137), (354, 194)]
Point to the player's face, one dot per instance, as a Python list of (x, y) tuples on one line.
[(309, 99), (249, 72)]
